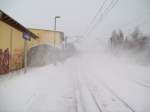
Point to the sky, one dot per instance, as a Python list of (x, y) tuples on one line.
[(77, 14)]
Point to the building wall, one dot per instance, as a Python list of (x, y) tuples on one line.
[(47, 37), (5, 33), (17, 50), (12, 40)]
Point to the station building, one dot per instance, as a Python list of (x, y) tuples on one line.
[(12, 43), (52, 38), (16, 40)]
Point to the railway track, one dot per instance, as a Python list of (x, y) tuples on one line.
[(142, 83), (104, 98)]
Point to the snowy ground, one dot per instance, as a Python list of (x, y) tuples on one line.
[(91, 81)]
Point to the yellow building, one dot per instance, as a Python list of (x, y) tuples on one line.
[(12, 46), (12, 42), (53, 38)]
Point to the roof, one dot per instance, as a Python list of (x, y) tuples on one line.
[(45, 30), (60, 32), (10, 21)]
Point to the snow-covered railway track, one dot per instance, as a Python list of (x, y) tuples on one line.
[(85, 98), (100, 96), (147, 81), (105, 98), (119, 98), (143, 84), (94, 97)]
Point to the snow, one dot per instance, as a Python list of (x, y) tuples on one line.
[(91, 81), (42, 89)]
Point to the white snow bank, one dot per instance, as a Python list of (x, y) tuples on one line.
[(41, 89)]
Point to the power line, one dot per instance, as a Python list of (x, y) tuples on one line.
[(136, 19), (104, 14), (94, 23), (97, 14), (144, 23), (111, 7)]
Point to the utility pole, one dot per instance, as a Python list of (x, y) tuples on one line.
[(56, 17), (11, 48), (25, 55), (26, 38), (65, 40)]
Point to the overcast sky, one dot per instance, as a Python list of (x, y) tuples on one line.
[(76, 15)]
